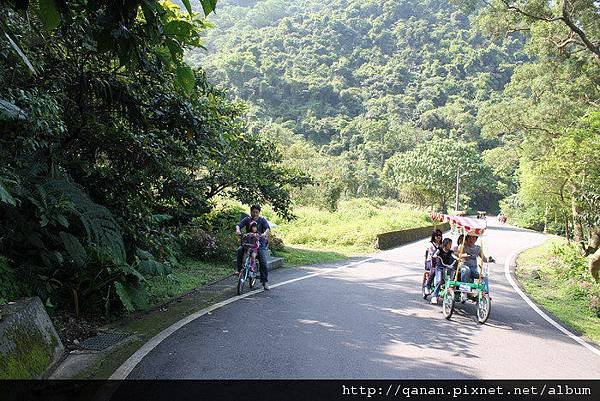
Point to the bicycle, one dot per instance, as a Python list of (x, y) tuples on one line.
[(249, 271)]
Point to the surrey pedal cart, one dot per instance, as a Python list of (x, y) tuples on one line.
[(477, 291)]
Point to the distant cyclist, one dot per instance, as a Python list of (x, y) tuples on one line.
[(263, 229)]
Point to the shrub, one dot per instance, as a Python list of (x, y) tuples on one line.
[(9, 285), (594, 304), (198, 243), (227, 243), (220, 223), (275, 242), (571, 262), (571, 270)]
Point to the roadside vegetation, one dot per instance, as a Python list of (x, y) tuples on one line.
[(315, 236), (352, 228), (556, 277), (112, 147)]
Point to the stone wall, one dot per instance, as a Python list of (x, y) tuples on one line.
[(397, 238), (29, 344)]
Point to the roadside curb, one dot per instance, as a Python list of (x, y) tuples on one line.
[(509, 267), (87, 364)]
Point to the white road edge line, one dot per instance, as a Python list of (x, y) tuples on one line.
[(125, 369), (507, 264)]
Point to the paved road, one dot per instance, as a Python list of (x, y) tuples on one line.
[(369, 321)]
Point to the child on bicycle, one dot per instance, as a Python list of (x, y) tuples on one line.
[(251, 242), (445, 260)]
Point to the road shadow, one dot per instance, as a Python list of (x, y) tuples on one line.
[(366, 323), (343, 330)]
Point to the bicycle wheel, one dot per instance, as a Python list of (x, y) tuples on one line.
[(252, 280), (484, 307), (448, 304), (425, 291), (251, 271), (241, 281)]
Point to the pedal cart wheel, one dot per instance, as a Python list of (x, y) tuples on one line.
[(484, 306), (448, 304)]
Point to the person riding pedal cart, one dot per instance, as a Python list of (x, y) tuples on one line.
[(469, 267)]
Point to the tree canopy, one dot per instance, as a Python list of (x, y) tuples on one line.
[(367, 82)]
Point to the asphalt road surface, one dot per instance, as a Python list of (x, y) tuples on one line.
[(369, 321)]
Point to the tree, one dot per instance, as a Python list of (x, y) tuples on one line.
[(566, 26), (431, 170), (362, 81)]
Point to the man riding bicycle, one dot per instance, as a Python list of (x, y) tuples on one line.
[(263, 230)]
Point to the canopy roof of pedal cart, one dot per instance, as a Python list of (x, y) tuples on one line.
[(469, 225)]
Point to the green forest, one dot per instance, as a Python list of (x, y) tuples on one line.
[(396, 95), (131, 132)]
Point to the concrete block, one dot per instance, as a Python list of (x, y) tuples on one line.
[(29, 343), (396, 238), (274, 262)]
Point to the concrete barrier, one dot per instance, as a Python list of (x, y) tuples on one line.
[(29, 344), (396, 238)]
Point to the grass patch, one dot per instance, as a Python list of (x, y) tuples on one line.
[(555, 277), (144, 326), (350, 230), (296, 256), (189, 275)]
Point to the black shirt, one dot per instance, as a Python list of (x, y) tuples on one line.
[(446, 256)]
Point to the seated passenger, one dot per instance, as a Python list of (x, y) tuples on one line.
[(446, 260), (459, 241), (432, 247), (469, 269)]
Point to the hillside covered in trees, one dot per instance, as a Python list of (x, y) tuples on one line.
[(388, 98), (365, 82)]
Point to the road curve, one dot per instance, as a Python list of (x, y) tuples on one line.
[(369, 321)]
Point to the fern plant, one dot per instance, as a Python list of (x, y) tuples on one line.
[(69, 245)]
